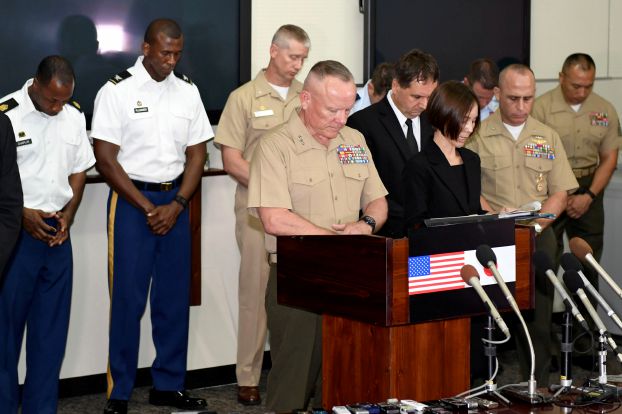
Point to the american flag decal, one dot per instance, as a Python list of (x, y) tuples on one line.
[(435, 273)]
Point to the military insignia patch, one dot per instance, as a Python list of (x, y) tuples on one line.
[(184, 78), (119, 77), (599, 119), (7, 105), (352, 154), (76, 105), (538, 148)]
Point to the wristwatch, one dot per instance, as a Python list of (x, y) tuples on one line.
[(370, 220)]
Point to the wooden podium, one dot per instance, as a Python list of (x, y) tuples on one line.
[(371, 350)]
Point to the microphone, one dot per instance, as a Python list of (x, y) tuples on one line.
[(544, 263), (569, 261), (575, 284), (471, 277), (487, 258), (582, 250)]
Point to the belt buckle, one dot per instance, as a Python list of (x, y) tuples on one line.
[(167, 186)]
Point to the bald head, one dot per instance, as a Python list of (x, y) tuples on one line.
[(516, 69), (516, 93), (326, 99), (167, 27)]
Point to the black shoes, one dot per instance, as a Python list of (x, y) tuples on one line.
[(116, 407), (177, 399)]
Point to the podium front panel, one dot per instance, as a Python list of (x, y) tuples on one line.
[(439, 252)]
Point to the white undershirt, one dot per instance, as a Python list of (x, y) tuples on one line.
[(515, 130), (576, 107), (282, 90)]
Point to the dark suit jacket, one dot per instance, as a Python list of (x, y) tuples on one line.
[(430, 186), (11, 201), (386, 141)]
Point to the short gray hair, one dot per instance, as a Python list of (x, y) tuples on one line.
[(325, 68), (288, 32)]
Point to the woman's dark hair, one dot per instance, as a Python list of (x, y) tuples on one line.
[(449, 106)]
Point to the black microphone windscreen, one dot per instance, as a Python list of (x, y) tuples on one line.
[(573, 280), (485, 255), (570, 262), (542, 261)]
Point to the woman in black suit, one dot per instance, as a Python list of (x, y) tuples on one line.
[(443, 180)]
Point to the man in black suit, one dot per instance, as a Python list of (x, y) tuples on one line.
[(396, 128), (11, 200)]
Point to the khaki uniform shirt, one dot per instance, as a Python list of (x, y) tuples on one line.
[(518, 172), (253, 109), (323, 185), (593, 129)]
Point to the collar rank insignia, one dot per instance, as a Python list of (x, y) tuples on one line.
[(352, 154)]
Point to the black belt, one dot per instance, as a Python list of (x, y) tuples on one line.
[(166, 186)]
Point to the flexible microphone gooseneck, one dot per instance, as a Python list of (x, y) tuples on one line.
[(582, 250), (488, 259), (570, 262), (471, 277)]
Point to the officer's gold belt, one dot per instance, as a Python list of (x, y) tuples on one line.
[(584, 172)]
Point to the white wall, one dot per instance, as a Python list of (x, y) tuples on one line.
[(335, 28), (336, 31)]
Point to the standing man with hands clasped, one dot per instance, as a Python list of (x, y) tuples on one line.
[(251, 110), (149, 130), (311, 175), (589, 128), (522, 161), (53, 154)]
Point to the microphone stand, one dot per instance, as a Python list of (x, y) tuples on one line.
[(601, 383), (490, 351), (565, 376)]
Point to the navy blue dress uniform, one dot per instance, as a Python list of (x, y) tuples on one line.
[(152, 123), (37, 289), (11, 199)]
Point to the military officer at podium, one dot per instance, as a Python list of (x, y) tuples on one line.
[(311, 175)]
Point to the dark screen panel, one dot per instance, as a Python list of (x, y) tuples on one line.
[(455, 32), (214, 42)]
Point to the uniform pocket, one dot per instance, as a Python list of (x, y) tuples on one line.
[(356, 174), (309, 192), (495, 172)]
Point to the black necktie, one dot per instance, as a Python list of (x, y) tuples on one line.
[(410, 137)]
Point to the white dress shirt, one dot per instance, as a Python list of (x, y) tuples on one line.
[(402, 120), (152, 123), (49, 150)]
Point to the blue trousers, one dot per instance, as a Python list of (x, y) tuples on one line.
[(140, 265), (36, 293)]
